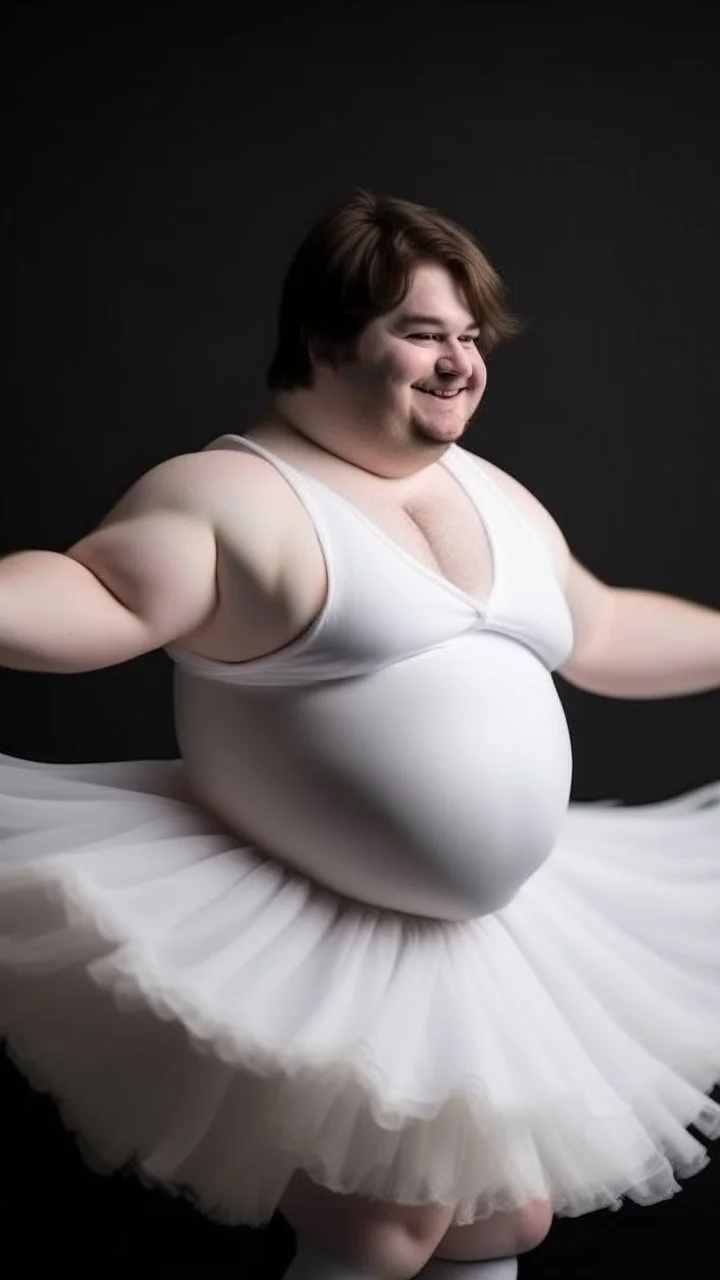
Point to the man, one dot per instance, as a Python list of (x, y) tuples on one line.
[(360, 610)]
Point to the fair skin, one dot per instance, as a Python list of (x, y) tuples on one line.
[(213, 551), (415, 380)]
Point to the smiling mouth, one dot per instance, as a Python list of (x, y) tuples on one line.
[(441, 395)]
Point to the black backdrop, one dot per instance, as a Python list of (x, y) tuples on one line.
[(164, 163)]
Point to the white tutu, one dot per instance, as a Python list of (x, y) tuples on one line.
[(218, 1022)]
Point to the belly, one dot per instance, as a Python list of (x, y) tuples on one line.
[(436, 786)]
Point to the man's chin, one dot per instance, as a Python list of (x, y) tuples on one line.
[(442, 432)]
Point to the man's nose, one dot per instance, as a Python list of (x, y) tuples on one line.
[(455, 360)]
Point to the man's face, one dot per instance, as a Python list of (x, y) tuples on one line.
[(416, 377)]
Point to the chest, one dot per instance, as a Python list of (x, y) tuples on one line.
[(440, 527), (429, 515)]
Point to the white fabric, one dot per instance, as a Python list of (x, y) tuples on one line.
[(308, 1264), (438, 1269), (436, 779), (550, 1025)]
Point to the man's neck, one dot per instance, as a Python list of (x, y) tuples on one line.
[(286, 422)]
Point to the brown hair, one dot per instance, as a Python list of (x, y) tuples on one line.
[(355, 264)]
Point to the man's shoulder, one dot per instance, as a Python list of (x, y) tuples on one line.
[(513, 488), (220, 469), (216, 455), (529, 506), (210, 484)]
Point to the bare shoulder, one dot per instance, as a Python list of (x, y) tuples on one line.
[(533, 511), (231, 502), (203, 546), (207, 485)]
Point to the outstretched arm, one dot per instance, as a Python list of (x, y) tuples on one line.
[(144, 578), (629, 643)]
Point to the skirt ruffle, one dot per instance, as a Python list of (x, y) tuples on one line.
[(216, 1021)]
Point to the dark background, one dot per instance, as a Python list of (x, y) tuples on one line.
[(163, 163)]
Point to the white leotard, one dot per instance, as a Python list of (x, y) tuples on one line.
[(409, 750)]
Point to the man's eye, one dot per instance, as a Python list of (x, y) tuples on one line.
[(468, 339)]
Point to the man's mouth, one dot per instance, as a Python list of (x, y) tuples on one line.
[(440, 395)]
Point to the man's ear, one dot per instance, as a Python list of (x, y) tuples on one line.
[(321, 350)]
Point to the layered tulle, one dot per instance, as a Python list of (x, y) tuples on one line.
[(218, 1021)]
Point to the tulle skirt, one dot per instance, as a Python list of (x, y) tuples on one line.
[(215, 1021)]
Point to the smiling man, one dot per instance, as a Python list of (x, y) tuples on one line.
[(407, 389), (356, 957)]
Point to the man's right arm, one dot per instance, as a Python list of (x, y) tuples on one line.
[(143, 579)]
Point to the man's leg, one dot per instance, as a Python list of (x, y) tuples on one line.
[(501, 1236), (350, 1237), (487, 1250)]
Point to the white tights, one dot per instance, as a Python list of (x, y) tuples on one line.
[(310, 1264)]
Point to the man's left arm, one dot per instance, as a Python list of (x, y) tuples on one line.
[(629, 643), (632, 643)]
